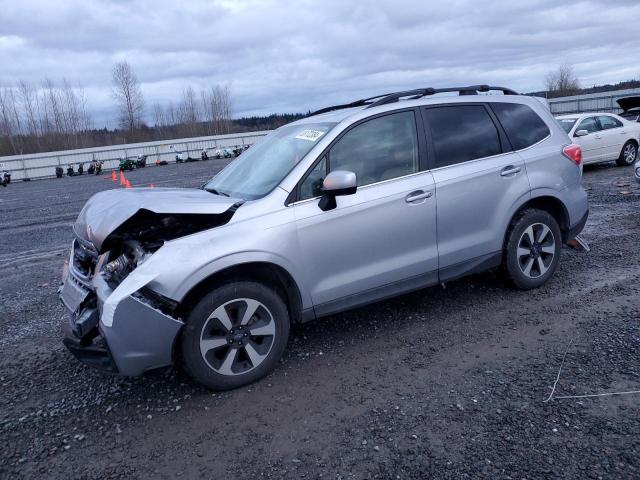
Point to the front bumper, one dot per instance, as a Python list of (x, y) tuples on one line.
[(140, 337)]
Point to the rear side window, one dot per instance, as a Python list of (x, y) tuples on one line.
[(522, 125), (461, 133), (609, 122)]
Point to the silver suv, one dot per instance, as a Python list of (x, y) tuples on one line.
[(351, 205)]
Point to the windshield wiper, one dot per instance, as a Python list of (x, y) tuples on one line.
[(216, 192)]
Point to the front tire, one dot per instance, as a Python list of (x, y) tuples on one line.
[(628, 154), (532, 249), (235, 335)]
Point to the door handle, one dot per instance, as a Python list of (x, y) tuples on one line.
[(417, 196), (510, 170)]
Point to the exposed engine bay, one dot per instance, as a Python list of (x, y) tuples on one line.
[(145, 232)]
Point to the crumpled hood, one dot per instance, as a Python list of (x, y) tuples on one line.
[(106, 211), (628, 103)]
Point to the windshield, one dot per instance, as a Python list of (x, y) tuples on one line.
[(261, 168), (567, 123)]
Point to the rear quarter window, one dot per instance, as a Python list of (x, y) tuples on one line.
[(522, 125)]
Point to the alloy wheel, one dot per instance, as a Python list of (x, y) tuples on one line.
[(629, 154), (536, 250), (237, 336)]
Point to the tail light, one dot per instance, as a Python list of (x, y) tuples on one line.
[(573, 152)]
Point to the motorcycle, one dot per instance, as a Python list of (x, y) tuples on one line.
[(59, 172), (80, 169), (204, 155), (6, 179), (70, 172), (98, 167), (126, 164), (141, 161)]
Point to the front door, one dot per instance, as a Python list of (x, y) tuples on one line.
[(592, 144), (381, 240)]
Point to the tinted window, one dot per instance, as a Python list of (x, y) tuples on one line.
[(462, 133), (379, 149), (312, 185), (522, 125), (607, 122), (589, 124)]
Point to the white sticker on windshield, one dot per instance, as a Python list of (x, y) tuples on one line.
[(568, 120), (311, 135)]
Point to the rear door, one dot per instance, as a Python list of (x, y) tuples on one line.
[(613, 136), (592, 144), (478, 179)]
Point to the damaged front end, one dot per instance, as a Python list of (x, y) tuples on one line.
[(117, 323)]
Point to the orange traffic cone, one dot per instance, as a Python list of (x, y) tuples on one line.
[(127, 184), (113, 176), (123, 180)]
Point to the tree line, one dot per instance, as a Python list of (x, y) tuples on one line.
[(52, 116)]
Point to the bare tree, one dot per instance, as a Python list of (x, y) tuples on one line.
[(562, 81), (217, 109), (128, 94), (29, 100), (10, 124), (188, 111)]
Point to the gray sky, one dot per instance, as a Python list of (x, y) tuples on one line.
[(286, 56)]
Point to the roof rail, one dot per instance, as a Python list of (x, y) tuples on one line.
[(357, 103), (423, 92), (413, 94)]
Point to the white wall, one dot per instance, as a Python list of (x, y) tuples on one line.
[(42, 165)]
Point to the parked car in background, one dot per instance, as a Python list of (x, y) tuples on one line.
[(603, 137), (630, 108), (353, 204)]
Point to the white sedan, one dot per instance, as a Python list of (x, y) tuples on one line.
[(603, 137)]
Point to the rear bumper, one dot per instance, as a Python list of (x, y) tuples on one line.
[(576, 229)]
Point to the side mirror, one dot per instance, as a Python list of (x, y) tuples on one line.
[(338, 182), (581, 133)]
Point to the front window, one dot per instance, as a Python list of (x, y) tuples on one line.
[(589, 124), (261, 168), (567, 123)]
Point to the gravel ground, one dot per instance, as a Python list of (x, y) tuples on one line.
[(441, 383)]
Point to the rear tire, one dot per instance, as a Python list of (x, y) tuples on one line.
[(235, 335), (628, 154), (532, 249)]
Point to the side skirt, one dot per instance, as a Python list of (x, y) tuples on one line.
[(377, 294)]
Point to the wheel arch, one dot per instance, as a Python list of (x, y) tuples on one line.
[(268, 273), (550, 204)]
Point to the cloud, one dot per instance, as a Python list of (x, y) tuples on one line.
[(294, 56)]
